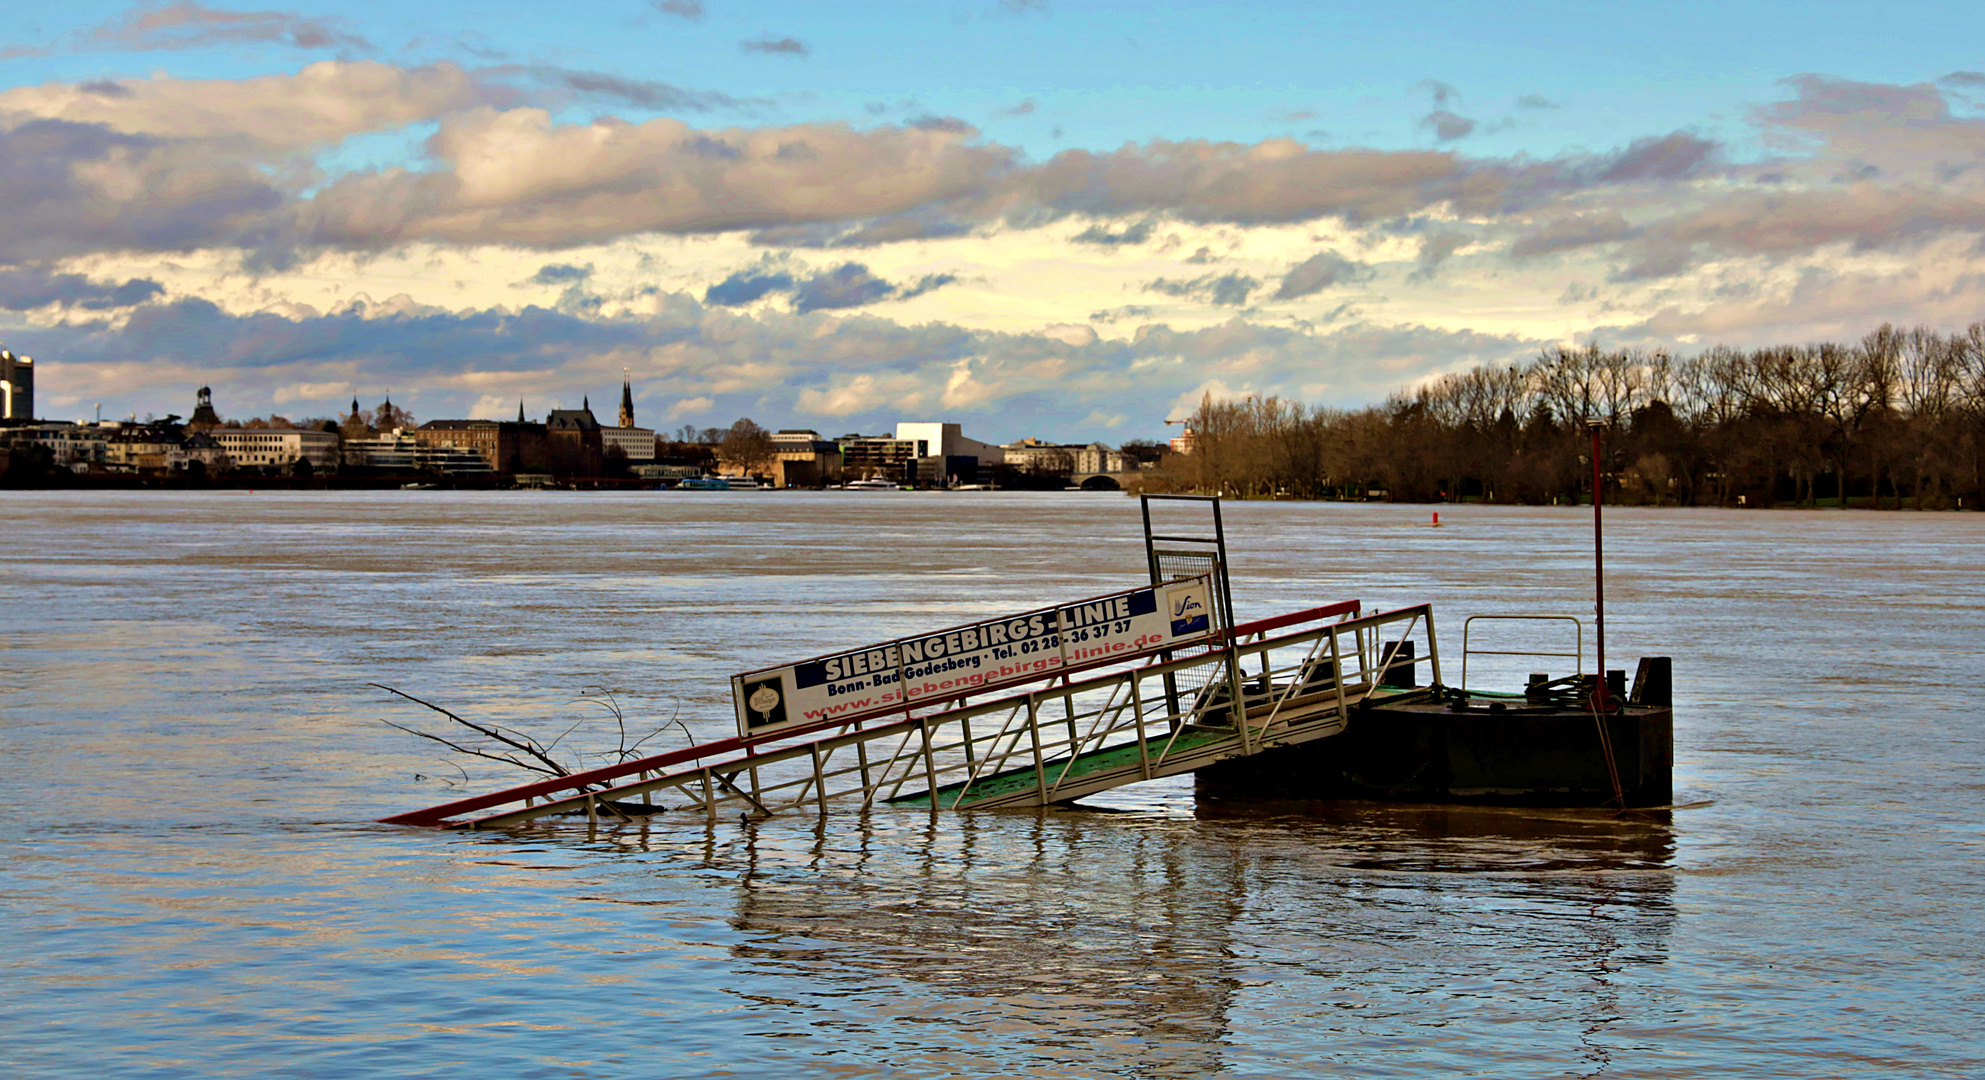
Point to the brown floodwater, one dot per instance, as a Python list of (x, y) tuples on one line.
[(194, 885)]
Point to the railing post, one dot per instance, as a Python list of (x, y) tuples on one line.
[(1433, 649), (930, 765), (1239, 696), (1040, 764), (1137, 722), (819, 781)]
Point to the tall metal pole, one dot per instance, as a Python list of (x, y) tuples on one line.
[(1598, 568)]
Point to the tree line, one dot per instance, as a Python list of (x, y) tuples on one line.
[(1897, 417)]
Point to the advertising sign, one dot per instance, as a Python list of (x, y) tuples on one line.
[(972, 659)]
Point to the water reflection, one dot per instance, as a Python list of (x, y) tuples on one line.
[(1155, 945), (1448, 838)]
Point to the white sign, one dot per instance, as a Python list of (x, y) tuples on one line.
[(973, 659)]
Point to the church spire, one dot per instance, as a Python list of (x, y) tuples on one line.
[(520, 410), (626, 400)]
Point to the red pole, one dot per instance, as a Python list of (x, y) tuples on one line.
[(1598, 570)]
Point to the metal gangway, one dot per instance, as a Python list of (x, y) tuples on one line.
[(1298, 678)]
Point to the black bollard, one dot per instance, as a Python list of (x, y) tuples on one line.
[(1654, 682), (1396, 670)]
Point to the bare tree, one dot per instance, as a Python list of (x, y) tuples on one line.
[(746, 447)]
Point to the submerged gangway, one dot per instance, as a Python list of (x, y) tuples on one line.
[(1298, 677)]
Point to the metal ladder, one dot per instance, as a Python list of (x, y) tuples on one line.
[(1298, 677)]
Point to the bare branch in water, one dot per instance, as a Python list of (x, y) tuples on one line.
[(541, 761), (460, 749), (604, 698), (674, 718), (521, 742)]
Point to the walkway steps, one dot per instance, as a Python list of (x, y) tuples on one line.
[(1058, 742)]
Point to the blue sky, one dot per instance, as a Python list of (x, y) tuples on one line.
[(1000, 210)]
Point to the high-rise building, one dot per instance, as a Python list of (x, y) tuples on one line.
[(16, 386)]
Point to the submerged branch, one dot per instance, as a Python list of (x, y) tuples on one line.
[(522, 742), (460, 749)]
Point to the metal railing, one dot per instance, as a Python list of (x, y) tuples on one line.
[(1577, 658), (1055, 743)]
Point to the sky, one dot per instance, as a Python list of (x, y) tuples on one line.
[(1052, 218)]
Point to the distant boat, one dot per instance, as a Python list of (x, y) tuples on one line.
[(705, 483), (417, 487), (747, 483), (873, 483)]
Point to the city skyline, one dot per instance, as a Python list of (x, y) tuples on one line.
[(1024, 216)]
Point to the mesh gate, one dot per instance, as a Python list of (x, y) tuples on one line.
[(1189, 554), (1172, 565)]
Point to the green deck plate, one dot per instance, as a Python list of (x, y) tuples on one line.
[(1095, 761)]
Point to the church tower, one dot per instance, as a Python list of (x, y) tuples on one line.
[(204, 416), (626, 400)]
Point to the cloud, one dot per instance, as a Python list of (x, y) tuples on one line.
[(848, 285), (516, 177), (847, 395), (1575, 230), (1820, 304), (693, 406), (28, 288), (845, 286), (1671, 157), (924, 284), (1230, 290), (682, 9), (1121, 314), (1447, 126), (1025, 107), (770, 45), (640, 93), (772, 364), (1441, 92), (1275, 180), (1535, 101), (324, 103), (561, 274), (189, 25), (950, 125), (160, 164), (1435, 248), (71, 188), (1101, 235), (747, 286), (888, 230), (1320, 272)]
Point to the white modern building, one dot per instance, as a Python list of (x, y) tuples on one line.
[(71, 445), (256, 447), (638, 443), (397, 449), (948, 441)]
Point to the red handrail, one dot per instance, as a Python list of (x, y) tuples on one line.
[(1262, 626), (436, 815)]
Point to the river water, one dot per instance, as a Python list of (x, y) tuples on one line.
[(193, 885)]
